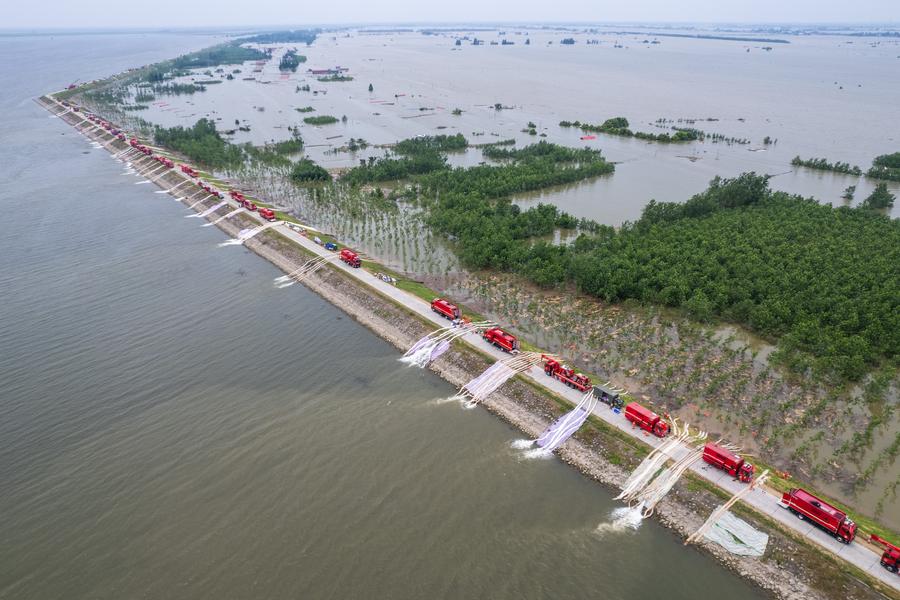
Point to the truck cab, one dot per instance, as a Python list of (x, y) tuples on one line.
[(445, 309), (503, 340), (806, 506), (266, 213), (890, 559), (646, 419), (351, 258)]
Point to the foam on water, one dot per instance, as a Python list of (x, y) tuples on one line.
[(521, 444), (537, 454), (622, 519)]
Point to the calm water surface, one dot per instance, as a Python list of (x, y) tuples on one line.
[(819, 96), (173, 426)]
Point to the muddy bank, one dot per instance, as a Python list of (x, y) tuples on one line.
[(791, 569)]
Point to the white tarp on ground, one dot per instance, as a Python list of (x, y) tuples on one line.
[(737, 536)]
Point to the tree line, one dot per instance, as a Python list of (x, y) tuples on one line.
[(823, 165), (620, 126), (886, 166), (823, 281), (290, 61)]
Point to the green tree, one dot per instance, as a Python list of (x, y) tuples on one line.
[(880, 198)]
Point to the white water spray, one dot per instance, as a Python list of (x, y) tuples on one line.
[(305, 270), (209, 210), (433, 345), (624, 518), (496, 375), (236, 211), (246, 234)]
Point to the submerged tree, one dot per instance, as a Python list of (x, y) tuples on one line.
[(879, 198)]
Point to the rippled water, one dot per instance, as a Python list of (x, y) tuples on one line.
[(174, 426)]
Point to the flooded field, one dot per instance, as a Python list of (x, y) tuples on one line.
[(756, 97), (419, 80)]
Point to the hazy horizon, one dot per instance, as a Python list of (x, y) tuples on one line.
[(173, 14)]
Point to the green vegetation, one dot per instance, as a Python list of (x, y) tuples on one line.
[(886, 166), (823, 165), (201, 143), (306, 171), (305, 109), (567, 41), (619, 126), (229, 53), (849, 193), (879, 198), (391, 169), (456, 111), (437, 143), (558, 154), (320, 120), (291, 60), (296, 36), (822, 280), (534, 167), (177, 89), (291, 146)]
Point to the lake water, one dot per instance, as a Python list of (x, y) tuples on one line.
[(819, 96), (173, 426)]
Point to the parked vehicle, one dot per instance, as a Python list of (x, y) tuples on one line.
[(806, 506), (445, 309), (351, 258), (609, 396), (646, 419), (564, 373), (729, 462), (890, 560), (503, 340)]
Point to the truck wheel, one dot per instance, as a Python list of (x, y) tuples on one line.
[(891, 568), (801, 517)]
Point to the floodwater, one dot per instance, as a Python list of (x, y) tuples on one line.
[(173, 426), (819, 96)]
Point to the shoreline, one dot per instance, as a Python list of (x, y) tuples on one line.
[(597, 453)]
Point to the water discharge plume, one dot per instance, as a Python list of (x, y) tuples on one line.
[(659, 487), (521, 444), (236, 211), (178, 185), (721, 510), (622, 519), (436, 343), (192, 196), (209, 210), (643, 488), (304, 271), (496, 375), (566, 426), (246, 234)]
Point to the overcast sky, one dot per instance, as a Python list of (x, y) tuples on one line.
[(198, 13)]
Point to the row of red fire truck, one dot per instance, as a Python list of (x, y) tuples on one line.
[(803, 504)]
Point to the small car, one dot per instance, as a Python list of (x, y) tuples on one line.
[(331, 246)]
